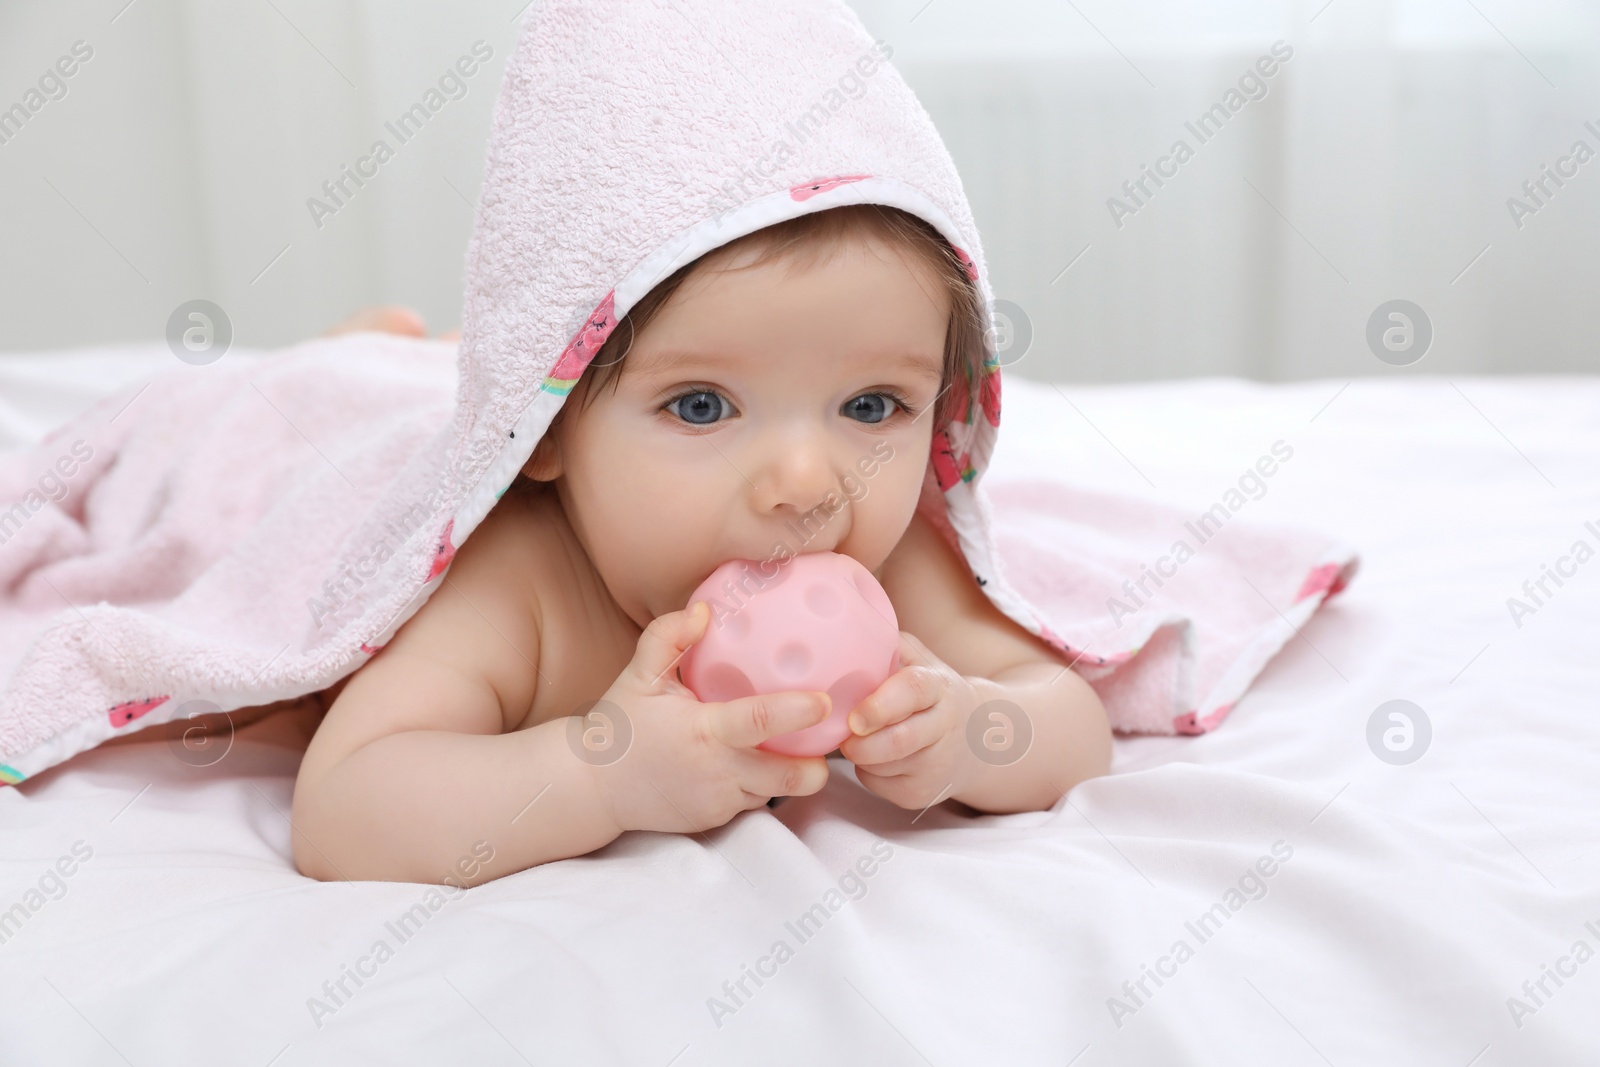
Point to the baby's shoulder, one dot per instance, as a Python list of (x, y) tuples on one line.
[(520, 531), (939, 600), (525, 552), (926, 578), (483, 622), (463, 663), (531, 564), (520, 544)]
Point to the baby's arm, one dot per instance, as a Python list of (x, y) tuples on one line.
[(414, 764), (419, 772), (912, 745)]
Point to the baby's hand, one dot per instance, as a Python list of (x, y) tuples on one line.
[(689, 766), (908, 738)]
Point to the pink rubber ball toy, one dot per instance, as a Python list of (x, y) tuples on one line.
[(818, 622)]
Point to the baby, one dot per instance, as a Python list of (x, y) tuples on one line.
[(744, 398)]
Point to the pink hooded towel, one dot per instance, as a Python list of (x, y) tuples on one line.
[(204, 558)]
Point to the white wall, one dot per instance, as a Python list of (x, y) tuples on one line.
[(1377, 166), (192, 141)]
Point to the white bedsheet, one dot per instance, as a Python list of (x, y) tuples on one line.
[(1416, 901)]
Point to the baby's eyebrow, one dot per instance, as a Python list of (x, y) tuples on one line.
[(670, 360), (932, 370)]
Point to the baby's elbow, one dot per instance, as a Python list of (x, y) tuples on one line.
[(1090, 731), (309, 860), (306, 828), (311, 865), (1099, 733)]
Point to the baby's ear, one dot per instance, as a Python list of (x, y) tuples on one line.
[(545, 463)]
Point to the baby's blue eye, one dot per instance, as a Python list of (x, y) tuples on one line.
[(869, 407), (698, 409)]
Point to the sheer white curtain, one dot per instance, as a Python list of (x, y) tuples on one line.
[(181, 162), (1376, 164)]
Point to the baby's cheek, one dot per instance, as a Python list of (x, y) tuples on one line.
[(669, 517), (883, 508)]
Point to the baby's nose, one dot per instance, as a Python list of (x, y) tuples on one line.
[(796, 473)]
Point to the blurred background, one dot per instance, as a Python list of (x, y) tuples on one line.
[(1383, 160)]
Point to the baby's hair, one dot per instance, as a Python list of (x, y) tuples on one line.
[(806, 238)]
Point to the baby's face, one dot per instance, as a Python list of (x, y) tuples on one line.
[(763, 413)]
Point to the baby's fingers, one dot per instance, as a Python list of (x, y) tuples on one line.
[(767, 774), (906, 692), (883, 750), (747, 722), (664, 642)]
